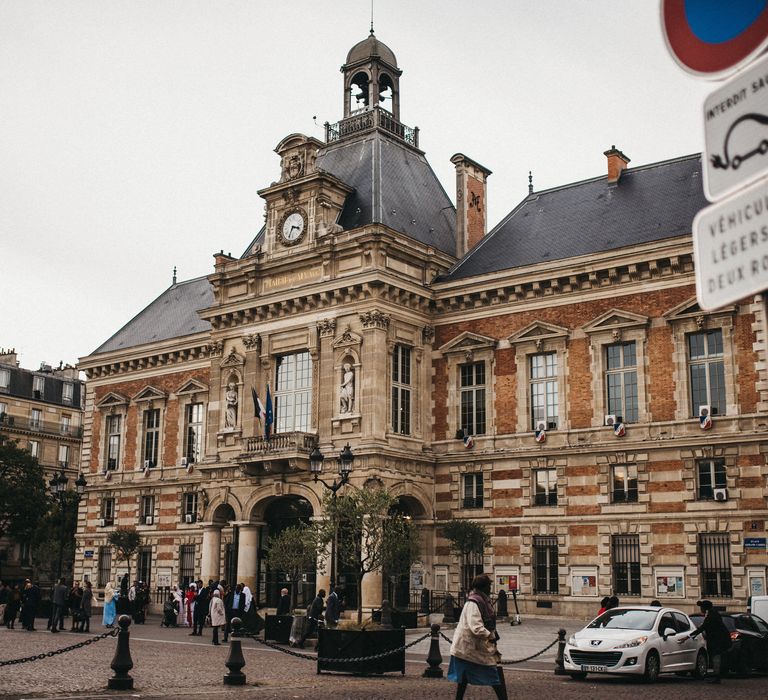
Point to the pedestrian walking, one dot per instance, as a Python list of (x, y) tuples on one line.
[(74, 601), (314, 615), (178, 597), (332, 608), (12, 607), (86, 607), (59, 600), (201, 609), (284, 604), (110, 605), (216, 615), (717, 635), (189, 600), (474, 656), (234, 606)]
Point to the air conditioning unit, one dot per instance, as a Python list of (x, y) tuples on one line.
[(189, 518), (541, 425), (609, 420), (148, 520), (147, 464), (720, 494), (103, 522), (705, 410)]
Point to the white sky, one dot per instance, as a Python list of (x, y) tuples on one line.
[(134, 133)]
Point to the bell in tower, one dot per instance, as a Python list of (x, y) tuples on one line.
[(371, 78)]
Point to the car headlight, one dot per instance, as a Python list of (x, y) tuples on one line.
[(573, 641), (632, 643)]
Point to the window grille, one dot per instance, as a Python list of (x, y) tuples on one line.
[(472, 390), (706, 371), (715, 559), (625, 551), (105, 565), (144, 565), (186, 564), (545, 564)]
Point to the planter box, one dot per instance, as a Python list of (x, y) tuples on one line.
[(278, 628), (400, 618), (335, 645)]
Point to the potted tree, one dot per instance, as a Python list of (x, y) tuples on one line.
[(468, 539), (126, 542)]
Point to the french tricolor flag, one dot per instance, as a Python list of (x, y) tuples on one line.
[(469, 441), (618, 428), (541, 435), (705, 421)]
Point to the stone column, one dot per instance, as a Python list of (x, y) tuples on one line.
[(372, 390), (372, 587), (247, 552), (210, 561)]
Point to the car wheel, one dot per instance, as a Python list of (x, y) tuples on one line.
[(652, 667), (700, 669), (578, 676)]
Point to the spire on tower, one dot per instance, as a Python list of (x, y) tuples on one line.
[(530, 182)]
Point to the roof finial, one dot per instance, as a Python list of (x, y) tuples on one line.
[(530, 182), (371, 17), (174, 274)]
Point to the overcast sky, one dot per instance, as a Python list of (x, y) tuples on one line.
[(135, 134)]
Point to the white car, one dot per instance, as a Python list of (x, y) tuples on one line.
[(636, 640)]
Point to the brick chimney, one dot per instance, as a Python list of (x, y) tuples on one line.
[(471, 193), (617, 163)]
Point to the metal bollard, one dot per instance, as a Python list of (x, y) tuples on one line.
[(122, 661), (235, 660), (559, 663), (434, 658)]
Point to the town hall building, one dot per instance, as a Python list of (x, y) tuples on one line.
[(552, 378)]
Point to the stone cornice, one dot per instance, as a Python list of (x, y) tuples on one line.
[(153, 359)]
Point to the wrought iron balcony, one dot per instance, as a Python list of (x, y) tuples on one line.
[(20, 423), (369, 120), (282, 453)]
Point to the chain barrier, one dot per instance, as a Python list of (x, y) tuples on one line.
[(514, 661), (48, 654), (323, 659)]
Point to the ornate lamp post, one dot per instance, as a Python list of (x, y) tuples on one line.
[(345, 460), (58, 487)]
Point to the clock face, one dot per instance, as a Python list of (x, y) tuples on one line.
[(293, 227)]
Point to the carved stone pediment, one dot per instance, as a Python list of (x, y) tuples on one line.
[(234, 359), (192, 386), (112, 400), (615, 319), (347, 338), (691, 309), (468, 342), (539, 331), (150, 393)]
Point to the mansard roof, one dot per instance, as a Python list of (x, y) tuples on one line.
[(172, 315), (649, 203)]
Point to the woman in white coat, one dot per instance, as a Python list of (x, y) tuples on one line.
[(217, 615)]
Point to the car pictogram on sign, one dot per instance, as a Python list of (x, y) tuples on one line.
[(735, 142)]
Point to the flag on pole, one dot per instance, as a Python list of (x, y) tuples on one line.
[(258, 407), (268, 417)]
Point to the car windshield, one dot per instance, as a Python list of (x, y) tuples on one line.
[(625, 619)]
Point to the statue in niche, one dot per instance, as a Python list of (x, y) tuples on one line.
[(347, 394), (230, 417)]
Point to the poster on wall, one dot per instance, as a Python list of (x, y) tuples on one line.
[(164, 578), (417, 579), (670, 583), (584, 581), (756, 585), (506, 578)]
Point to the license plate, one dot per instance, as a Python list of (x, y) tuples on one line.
[(594, 669)]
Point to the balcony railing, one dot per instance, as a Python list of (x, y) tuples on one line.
[(368, 121), (40, 426), (285, 442)]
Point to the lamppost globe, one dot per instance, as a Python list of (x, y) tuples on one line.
[(316, 461), (80, 484), (345, 461), (61, 483)]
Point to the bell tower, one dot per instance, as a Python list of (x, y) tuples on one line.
[(371, 78)]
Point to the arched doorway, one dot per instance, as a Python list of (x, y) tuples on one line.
[(397, 584), (280, 514), (222, 517)]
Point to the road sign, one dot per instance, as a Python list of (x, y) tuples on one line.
[(713, 39), (736, 132), (730, 248), (754, 543)]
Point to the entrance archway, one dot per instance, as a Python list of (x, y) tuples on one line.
[(397, 584)]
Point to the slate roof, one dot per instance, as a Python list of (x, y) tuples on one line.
[(649, 203), (172, 315), (395, 186)]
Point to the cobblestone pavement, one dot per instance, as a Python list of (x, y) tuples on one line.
[(170, 664)]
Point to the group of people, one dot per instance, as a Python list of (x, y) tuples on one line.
[(77, 601), (126, 599), (20, 603)]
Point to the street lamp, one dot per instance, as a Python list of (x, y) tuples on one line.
[(58, 487), (345, 459)]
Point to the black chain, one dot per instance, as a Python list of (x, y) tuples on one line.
[(359, 659), (514, 661), (48, 654)]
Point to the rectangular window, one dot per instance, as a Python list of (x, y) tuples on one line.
[(144, 565), (38, 387), (3, 411), (624, 483), (147, 513), (25, 552), (151, 436), (67, 392), (706, 371), (401, 390), (190, 507), (545, 487), (715, 558), (34, 448), (194, 433), (108, 511), (113, 442), (711, 476), (65, 427), (625, 554), (473, 398), (36, 421), (473, 491), (105, 566), (621, 380), (63, 456), (293, 393), (186, 564), (543, 386), (5, 379), (545, 564)]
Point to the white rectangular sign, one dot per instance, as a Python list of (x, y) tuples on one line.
[(730, 248), (736, 132)]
